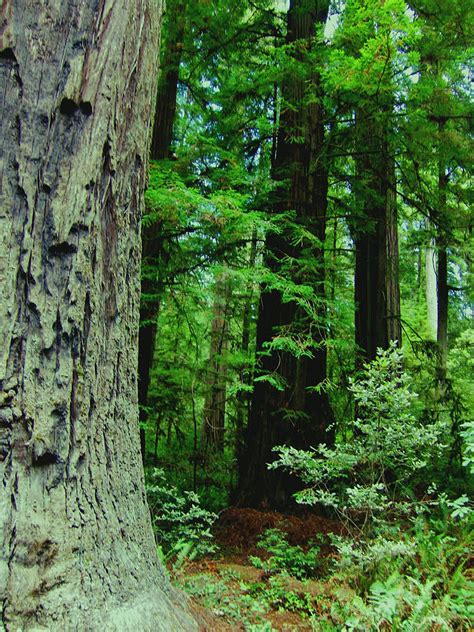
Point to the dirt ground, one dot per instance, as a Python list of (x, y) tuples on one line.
[(237, 533)]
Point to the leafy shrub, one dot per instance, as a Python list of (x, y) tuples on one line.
[(276, 594), (406, 554), (365, 561), (292, 560), (368, 474), (467, 435), (398, 603), (181, 525)]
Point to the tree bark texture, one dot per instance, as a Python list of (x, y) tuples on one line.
[(392, 282), (374, 230), (430, 288), (165, 111), (442, 278), (243, 396), (77, 550), (297, 415)]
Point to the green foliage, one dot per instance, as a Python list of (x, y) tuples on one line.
[(195, 229), (405, 68), (284, 558), (398, 603), (365, 561), (277, 595), (365, 475), (407, 578), (468, 437), (220, 596), (182, 526), (416, 582), (461, 368)]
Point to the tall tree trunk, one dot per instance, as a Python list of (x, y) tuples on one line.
[(298, 414), (430, 288), (243, 399), (77, 549), (392, 282), (175, 21), (167, 90), (375, 234), (215, 401), (442, 280)]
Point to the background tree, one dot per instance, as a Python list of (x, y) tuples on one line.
[(303, 165), (154, 250), (287, 404), (215, 401), (364, 55)]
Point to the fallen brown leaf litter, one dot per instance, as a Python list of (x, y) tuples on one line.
[(237, 533)]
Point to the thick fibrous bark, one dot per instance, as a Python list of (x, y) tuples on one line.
[(77, 547), (299, 414)]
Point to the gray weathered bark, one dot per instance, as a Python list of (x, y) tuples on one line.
[(77, 550), (430, 289)]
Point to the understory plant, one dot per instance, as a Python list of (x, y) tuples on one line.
[(371, 475), (182, 526), (407, 544), (284, 558)]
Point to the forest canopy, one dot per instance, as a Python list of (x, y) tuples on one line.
[(306, 315)]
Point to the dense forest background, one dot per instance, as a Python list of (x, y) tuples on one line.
[(307, 279)]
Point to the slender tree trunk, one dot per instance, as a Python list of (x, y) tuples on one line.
[(298, 414), (243, 399), (152, 239), (431, 292), (392, 282), (442, 281), (77, 549), (214, 405)]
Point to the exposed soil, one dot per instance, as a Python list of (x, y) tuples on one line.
[(237, 533)]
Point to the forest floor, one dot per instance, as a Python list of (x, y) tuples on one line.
[(228, 592)]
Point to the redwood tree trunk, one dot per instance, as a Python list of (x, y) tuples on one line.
[(243, 398), (175, 22), (297, 415), (442, 280), (375, 234), (77, 548)]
